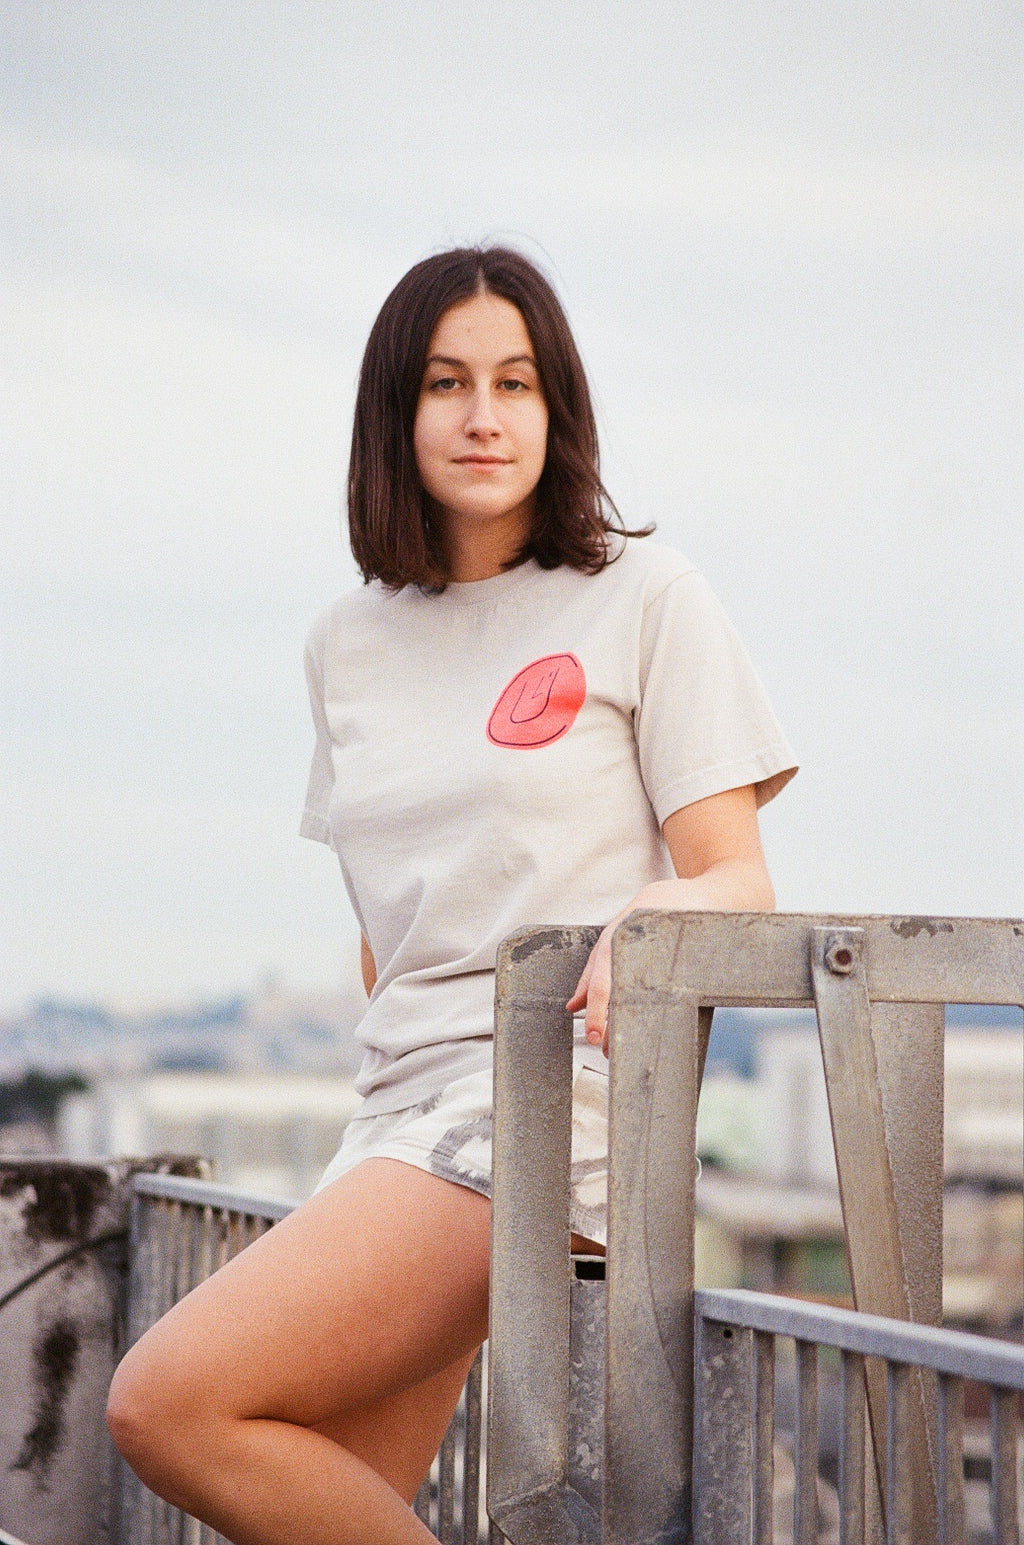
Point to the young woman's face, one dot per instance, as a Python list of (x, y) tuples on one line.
[(480, 434)]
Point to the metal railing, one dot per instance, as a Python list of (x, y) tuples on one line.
[(878, 985), (736, 1430), (181, 1232)]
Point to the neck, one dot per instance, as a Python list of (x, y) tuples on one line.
[(483, 551)]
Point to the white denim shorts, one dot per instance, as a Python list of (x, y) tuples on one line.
[(449, 1135)]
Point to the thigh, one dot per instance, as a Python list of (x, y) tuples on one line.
[(399, 1435), (374, 1286)]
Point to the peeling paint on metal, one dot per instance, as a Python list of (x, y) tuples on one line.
[(549, 939), (910, 927)]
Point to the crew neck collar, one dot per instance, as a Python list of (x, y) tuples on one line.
[(475, 592)]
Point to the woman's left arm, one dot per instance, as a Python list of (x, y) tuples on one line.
[(716, 852)]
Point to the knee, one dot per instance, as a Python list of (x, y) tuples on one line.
[(147, 1415), (134, 1409)]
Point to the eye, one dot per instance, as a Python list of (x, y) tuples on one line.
[(512, 385), (443, 384)]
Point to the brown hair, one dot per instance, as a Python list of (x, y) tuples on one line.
[(393, 538)]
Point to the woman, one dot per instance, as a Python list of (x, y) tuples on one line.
[(524, 716)]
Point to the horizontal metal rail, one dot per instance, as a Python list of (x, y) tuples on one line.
[(898, 1341), (736, 1448), (204, 1193)]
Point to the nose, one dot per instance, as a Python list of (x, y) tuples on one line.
[(482, 420)]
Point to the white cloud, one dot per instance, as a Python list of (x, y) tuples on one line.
[(792, 253), (152, 439)]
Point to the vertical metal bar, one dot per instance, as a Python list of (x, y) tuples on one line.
[(446, 1485), (851, 1452), (236, 1234), (951, 1461), (1004, 1428), (205, 1263), (471, 1460), (530, 1235), (874, 1471), (220, 1250), (421, 1506), (723, 1448), (167, 1214), (874, 1236), (805, 1457), (899, 1513), (176, 1227), (764, 1438), (196, 1263), (655, 1048)]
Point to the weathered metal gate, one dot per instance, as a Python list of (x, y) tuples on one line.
[(879, 985)]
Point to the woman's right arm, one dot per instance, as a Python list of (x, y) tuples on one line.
[(367, 965)]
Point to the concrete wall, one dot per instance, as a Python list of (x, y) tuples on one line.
[(63, 1254)]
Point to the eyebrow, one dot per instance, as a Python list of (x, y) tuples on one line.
[(513, 359)]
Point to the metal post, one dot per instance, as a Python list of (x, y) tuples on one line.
[(529, 1494), (670, 970)]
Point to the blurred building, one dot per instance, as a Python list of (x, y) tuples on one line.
[(768, 1212), (268, 1030), (269, 1134)]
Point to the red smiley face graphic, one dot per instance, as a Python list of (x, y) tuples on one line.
[(540, 703)]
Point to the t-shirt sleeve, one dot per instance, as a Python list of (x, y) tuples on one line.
[(704, 723), (315, 823)]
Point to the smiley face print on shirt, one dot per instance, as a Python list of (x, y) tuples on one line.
[(540, 703)]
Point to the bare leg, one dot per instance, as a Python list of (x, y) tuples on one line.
[(298, 1396)]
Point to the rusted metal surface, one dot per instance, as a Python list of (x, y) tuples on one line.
[(63, 1250)]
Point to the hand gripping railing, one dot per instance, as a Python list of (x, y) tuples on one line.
[(879, 985)]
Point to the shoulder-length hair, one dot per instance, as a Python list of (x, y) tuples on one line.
[(393, 536)]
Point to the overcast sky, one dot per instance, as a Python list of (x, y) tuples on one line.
[(789, 240)]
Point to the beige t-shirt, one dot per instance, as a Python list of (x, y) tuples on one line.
[(503, 754)]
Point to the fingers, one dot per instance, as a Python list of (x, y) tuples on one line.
[(579, 997), (594, 990), (598, 994)]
